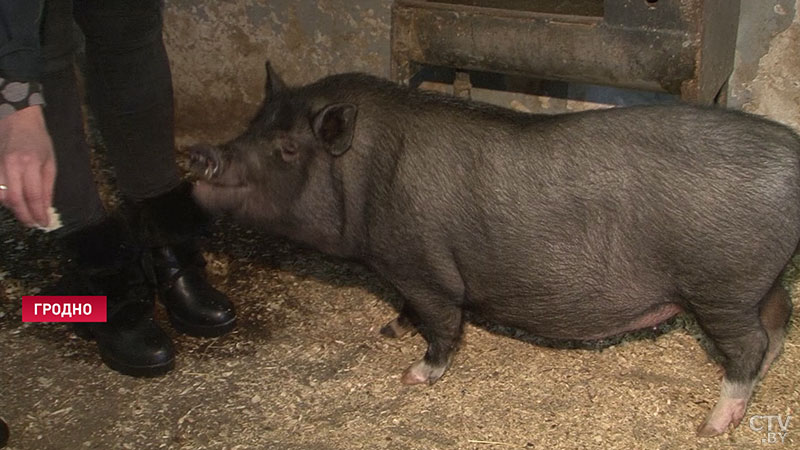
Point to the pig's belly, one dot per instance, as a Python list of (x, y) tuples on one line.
[(583, 325)]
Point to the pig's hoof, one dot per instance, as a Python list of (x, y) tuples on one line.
[(706, 430), (422, 372), (727, 412), (396, 329)]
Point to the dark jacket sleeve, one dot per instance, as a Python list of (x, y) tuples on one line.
[(20, 55), (20, 51)]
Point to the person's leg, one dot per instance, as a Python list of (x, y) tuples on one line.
[(75, 193), (104, 259), (129, 88), (130, 91)]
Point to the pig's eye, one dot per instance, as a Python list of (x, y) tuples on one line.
[(289, 153)]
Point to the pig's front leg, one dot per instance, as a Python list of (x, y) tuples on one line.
[(440, 322)]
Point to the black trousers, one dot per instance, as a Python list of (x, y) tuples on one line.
[(128, 89)]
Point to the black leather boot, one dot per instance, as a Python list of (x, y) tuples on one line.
[(107, 263), (170, 224), (4, 434)]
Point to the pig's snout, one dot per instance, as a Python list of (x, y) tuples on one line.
[(205, 161)]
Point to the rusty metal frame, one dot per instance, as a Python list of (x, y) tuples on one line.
[(681, 47)]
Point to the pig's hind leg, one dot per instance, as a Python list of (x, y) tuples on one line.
[(775, 311), (744, 341), (440, 321)]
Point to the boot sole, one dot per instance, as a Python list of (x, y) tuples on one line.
[(195, 330), (155, 370), (138, 371)]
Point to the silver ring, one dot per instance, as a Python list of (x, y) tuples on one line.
[(3, 187)]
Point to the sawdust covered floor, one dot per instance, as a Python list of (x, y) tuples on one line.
[(307, 369)]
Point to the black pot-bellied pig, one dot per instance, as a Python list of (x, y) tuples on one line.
[(575, 226)]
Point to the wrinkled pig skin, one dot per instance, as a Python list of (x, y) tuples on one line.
[(575, 226)]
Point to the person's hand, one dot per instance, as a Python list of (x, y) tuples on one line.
[(27, 166)]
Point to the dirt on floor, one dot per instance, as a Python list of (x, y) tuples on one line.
[(306, 368)]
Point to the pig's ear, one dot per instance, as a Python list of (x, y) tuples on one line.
[(334, 126), (274, 83)]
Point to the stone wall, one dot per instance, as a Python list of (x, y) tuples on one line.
[(218, 50)]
